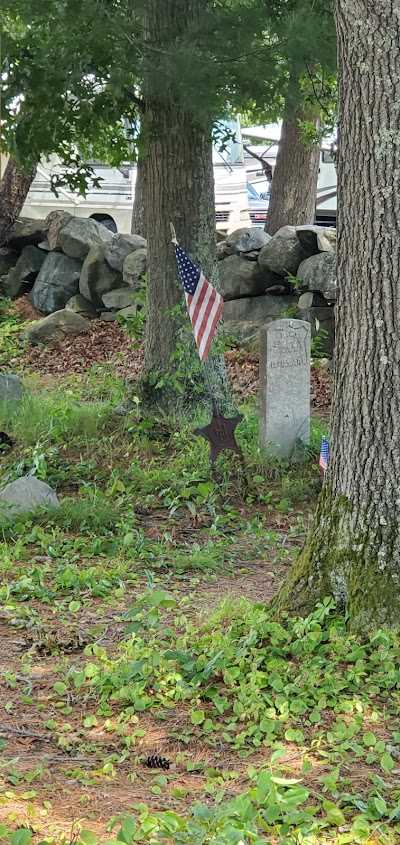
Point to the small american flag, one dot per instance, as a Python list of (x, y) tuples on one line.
[(203, 302), (324, 455)]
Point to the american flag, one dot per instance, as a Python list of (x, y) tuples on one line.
[(203, 302), (324, 455)]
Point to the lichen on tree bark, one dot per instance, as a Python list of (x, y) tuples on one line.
[(353, 550)]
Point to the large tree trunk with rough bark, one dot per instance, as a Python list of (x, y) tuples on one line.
[(14, 187), (353, 550), (139, 210), (294, 183), (180, 190)]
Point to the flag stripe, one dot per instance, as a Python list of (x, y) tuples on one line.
[(203, 302)]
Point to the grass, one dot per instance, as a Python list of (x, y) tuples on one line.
[(134, 622)]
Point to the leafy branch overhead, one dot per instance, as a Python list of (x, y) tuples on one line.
[(73, 72)]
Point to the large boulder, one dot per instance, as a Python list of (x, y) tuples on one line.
[(8, 259), (327, 240), (247, 240), (240, 277), (118, 298), (25, 495), (22, 276), (315, 239), (97, 277), (318, 273), (135, 266), (283, 253), (79, 305), (322, 322), (10, 388), (243, 318), (55, 327), (54, 223), (120, 246), (57, 281), (80, 234), (26, 231)]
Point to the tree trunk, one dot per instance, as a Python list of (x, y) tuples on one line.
[(139, 210), (294, 183), (353, 550), (14, 188), (180, 190)]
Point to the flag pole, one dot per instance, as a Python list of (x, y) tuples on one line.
[(205, 370)]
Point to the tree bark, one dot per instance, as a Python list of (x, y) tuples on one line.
[(180, 189), (14, 188), (353, 550), (139, 210), (294, 183)]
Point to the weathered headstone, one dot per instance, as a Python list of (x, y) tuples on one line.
[(10, 388), (285, 349)]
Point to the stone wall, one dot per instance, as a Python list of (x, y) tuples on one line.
[(77, 269), (264, 278)]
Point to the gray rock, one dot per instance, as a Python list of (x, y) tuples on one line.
[(318, 273), (223, 250), (10, 388), (135, 266), (283, 253), (243, 318), (118, 298), (22, 276), (308, 238), (108, 316), (54, 223), (315, 239), (245, 240), (79, 305), (129, 311), (25, 495), (57, 281), (240, 278), (80, 234), (322, 321), (55, 327), (97, 277), (327, 240), (8, 259), (25, 232), (120, 246)]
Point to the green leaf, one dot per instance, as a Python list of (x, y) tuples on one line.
[(20, 837), (387, 762), (263, 786), (60, 687), (285, 781), (88, 837), (272, 813), (74, 606), (381, 806), (197, 717), (369, 738), (127, 831), (333, 814)]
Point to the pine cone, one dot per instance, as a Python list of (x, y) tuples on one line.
[(156, 762)]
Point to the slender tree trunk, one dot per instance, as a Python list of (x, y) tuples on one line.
[(294, 183), (14, 188), (353, 550), (180, 190), (139, 210)]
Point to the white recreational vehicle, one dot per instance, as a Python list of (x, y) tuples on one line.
[(260, 150), (111, 203)]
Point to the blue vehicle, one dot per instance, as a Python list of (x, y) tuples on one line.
[(258, 207)]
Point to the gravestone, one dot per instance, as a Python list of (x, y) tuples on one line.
[(10, 388), (285, 351)]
